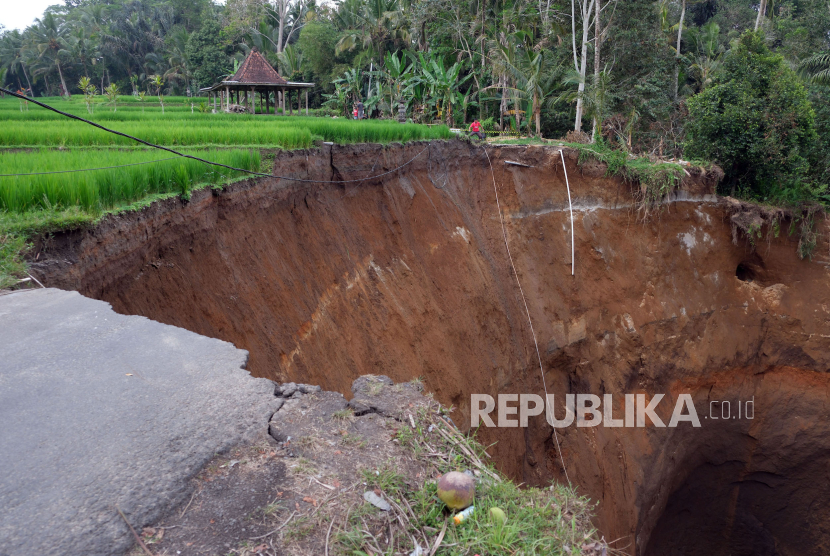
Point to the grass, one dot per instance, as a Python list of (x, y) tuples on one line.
[(540, 521), (178, 126), (106, 189)]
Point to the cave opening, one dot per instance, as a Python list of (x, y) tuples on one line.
[(744, 273)]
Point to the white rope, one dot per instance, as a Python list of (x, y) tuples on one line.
[(570, 206), (527, 310)]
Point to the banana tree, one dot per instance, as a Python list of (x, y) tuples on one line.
[(339, 99), (443, 84)]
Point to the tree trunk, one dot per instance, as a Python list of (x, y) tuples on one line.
[(597, 45), (26, 75), (586, 10), (573, 33), (762, 9), (537, 110), (63, 83), (677, 53)]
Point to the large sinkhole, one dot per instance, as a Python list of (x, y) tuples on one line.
[(407, 275)]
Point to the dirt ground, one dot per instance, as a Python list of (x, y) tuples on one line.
[(288, 496)]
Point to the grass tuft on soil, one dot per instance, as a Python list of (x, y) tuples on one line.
[(553, 520)]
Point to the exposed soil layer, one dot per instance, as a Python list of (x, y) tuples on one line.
[(407, 276)]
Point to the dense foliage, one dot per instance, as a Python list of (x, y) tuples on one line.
[(646, 76), (757, 121)]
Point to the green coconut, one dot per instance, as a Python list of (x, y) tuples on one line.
[(497, 515), (456, 490)]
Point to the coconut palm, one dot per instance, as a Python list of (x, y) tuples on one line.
[(705, 58), (13, 55), (49, 36), (529, 70), (817, 68), (372, 25)]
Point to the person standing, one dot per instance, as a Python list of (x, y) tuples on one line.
[(475, 129), (360, 114)]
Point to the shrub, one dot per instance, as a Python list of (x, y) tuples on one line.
[(756, 122)]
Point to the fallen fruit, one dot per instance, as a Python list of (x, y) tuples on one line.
[(498, 515), (456, 490)]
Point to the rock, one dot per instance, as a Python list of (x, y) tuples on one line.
[(287, 390), (309, 388)]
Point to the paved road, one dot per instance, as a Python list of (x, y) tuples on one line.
[(100, 410)]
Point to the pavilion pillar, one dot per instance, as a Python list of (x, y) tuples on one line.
[(290, 105), (306, 102), (227, 97)]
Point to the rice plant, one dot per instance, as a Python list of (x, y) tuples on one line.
[(103, 189), (180, 126)]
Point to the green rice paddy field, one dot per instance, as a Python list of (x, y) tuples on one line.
[(34, 140)]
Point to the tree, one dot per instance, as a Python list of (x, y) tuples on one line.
[(112, 93), (88, 89), (317, 42), (373, 24), (49, 36), (756, 121), (157, 81), (817, 68), (529, 70), (706, 56), (12, 55), (205, 54), (586, 10)]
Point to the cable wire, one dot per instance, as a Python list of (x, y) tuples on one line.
[(527, 311), (87, 169), (196, 158)]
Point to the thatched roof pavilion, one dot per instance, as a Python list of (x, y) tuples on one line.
[(256, 75)]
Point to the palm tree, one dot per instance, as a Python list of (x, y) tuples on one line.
[(49, 36), (817, 68), (529, 70), (13, 55), (707, 57), (371, 24)]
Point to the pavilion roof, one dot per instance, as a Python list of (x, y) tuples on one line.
[(256, 69)]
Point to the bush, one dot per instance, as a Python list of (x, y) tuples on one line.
[(756, 121)]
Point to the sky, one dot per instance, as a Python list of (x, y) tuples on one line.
[(19, 14)]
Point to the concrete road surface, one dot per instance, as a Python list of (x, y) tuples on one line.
[(100, 411)]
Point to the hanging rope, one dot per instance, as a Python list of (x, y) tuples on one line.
[(527, 311)]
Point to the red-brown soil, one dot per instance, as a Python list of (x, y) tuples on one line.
[(408, 276)]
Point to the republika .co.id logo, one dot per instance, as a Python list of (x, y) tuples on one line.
[(589, 410)]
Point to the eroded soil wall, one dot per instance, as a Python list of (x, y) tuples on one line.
[(407, 275)]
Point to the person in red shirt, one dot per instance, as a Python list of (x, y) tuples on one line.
[(475, 129), (354, 112)]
